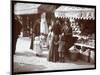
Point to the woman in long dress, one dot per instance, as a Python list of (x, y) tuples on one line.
[(53, 49)]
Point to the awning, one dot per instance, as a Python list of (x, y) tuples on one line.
[(25, 8), (75, 12)]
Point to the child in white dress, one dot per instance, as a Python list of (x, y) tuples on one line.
[(37, 48)]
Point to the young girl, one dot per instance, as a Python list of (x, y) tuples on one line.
[(37, 48), (61, 48)]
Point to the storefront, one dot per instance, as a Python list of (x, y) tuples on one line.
[(27, 14), (35, 18), (83, 23)]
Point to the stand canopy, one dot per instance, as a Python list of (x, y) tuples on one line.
[(75, 12), (26, 8)]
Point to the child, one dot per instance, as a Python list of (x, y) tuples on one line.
[(61, 49), (37, 48)]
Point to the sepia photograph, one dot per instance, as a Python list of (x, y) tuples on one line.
[(49, 37)]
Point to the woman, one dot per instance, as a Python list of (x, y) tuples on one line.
[(53, 49)]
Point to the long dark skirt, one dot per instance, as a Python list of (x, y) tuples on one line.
[(53, 53)]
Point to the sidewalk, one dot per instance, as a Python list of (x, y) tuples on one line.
[(27, 61)]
